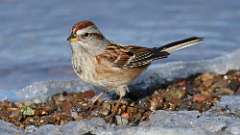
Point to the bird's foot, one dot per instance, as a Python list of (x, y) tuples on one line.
[(96, 98)]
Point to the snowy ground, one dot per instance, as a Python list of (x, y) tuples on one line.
[(161, 123), (212, 122)]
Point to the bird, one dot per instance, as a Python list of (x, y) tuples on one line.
[(111, 65)]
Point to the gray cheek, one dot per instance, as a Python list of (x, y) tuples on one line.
[(79, 38), (81, 41)]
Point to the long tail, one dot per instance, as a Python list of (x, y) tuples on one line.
[(177, 45)]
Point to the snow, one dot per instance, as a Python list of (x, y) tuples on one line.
[(40, 91), (9, 129)]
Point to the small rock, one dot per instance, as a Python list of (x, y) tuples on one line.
[(199, 98), (27, 111), (105, 109), (121, 121)]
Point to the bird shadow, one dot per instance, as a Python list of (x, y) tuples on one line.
[(138, 92)]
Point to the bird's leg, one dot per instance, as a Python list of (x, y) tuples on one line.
[(121, 91), (95, 98)]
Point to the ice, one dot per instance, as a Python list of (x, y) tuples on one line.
[(231, 105), (40, 91), (9, 129), (47, 130)]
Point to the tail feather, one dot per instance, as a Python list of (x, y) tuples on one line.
[(177, 45)]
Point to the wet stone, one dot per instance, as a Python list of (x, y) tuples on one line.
[(105, 109)]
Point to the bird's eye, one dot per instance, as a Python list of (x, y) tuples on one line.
[(85, 35)]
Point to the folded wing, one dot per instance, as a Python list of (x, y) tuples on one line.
[(130, 56)]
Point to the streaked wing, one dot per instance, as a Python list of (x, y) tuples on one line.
[(143, 56), (130, 56)]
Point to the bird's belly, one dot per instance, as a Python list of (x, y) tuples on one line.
[(113, 78), (88, 75), (104, 74)]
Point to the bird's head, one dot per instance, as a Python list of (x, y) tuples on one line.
[(85, 34)]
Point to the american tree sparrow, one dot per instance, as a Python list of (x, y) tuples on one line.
[(101, 62)]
